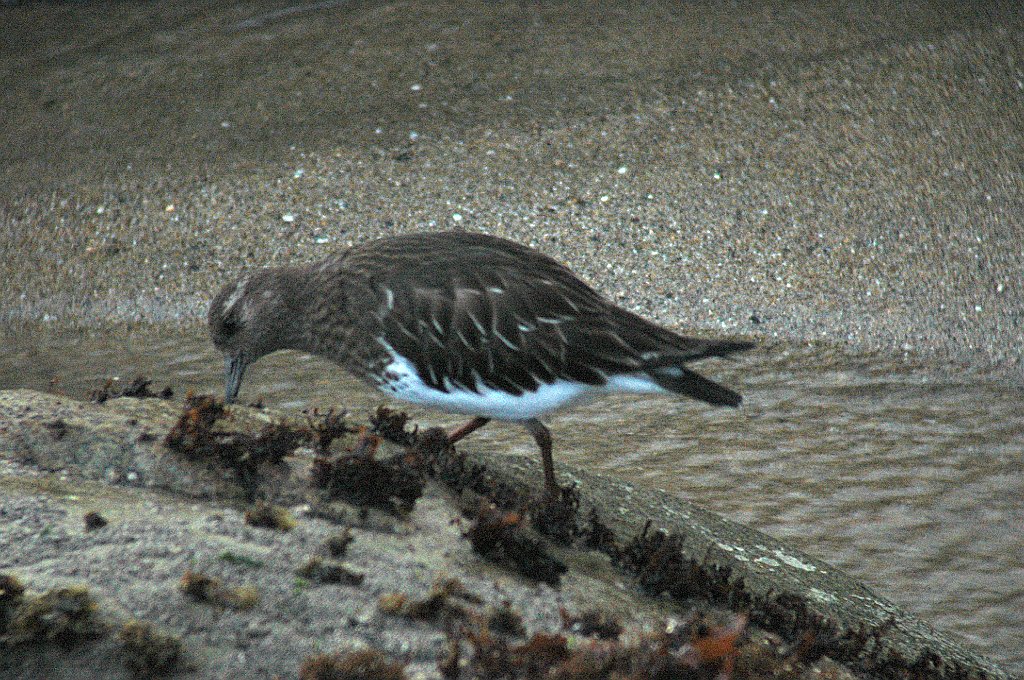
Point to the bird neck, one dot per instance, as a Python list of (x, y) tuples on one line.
[(293, 327)]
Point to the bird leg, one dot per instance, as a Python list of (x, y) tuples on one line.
[(467, 428), (542, 436)]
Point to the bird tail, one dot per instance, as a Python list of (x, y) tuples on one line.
[(682, 380), (709, 348), (669, 372)]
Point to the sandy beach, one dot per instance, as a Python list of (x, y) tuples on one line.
[(841, 173)]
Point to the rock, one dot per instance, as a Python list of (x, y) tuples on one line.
[(185, 514)]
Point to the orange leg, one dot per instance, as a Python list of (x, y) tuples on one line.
[(467, 428), (541, 435)]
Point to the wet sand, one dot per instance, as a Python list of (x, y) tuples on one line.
[(821, 171)]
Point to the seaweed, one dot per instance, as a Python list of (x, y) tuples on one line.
[(500, 537), (12, 594), (209, 590), (654, 655), (329, 571), (61, 615), (137, 388), (58, 428), (391, 425), (336, 545), (193, 437), (324, 428), (365, 664), (149, 651), (591, 622), (360, 478), (267, 516), (441, 603)]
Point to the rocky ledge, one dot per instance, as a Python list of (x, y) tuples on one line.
[(146, 537)]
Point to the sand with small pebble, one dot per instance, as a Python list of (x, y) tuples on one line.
[(819, 171)]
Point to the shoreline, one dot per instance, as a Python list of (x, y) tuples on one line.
[(856, 180)]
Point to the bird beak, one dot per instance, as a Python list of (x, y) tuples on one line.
[(234, 369)]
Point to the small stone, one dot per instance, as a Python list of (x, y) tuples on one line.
[(416, 87), (288, 217), (94, 520), (622, 170), (457, 217)]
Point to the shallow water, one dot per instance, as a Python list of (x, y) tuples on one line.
[(906, 475)]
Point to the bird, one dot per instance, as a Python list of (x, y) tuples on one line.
[(461, 322)]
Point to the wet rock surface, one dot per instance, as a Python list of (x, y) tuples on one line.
[(177, 577)]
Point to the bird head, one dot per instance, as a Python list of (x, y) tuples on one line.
[(251, 318)]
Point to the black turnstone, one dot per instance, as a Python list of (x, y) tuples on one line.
[(460, 322)]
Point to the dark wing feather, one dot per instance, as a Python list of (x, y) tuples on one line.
[(486, 312), (495, 327)]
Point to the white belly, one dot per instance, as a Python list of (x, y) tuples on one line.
[(403, 382)]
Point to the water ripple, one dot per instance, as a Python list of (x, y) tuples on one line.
[(906, 475)]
